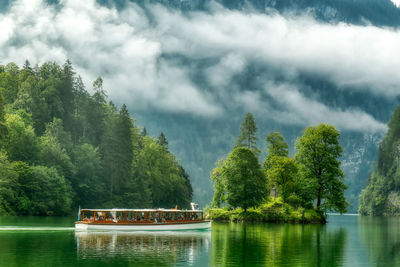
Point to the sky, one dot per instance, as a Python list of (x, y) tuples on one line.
[(190, 63)]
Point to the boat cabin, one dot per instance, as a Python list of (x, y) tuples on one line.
[(139, 216)]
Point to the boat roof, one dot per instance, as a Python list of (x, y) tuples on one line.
[(142, 210)]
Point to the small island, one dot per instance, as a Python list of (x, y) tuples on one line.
[(299, 189)]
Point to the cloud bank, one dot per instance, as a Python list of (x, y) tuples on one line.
[(189, 63)]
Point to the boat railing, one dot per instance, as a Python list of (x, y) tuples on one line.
[(148, 217)]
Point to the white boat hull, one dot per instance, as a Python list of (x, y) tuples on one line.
[(143, 227)]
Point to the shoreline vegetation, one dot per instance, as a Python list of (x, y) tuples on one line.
[(298, 189), (272, 211)]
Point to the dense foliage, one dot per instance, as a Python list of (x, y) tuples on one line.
[(318, 158), (275, 210), (61, 147), (313, 176), (381, 197), (244, 181)]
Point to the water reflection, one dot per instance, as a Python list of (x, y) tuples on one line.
[(277, 245), (145, 248), (381, 237)]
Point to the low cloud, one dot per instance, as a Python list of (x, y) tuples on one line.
[(138, 57), (298, 109)]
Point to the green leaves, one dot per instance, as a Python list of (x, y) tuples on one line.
[(314, 174), (281, 175), (239, 180), (318, 158), (166, 182), (61, 146), (384, 181)]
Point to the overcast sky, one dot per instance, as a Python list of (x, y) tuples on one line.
[(145, 64)]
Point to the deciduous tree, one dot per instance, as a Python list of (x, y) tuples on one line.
[(318, 156)]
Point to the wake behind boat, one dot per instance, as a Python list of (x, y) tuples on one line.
[(141, 219)]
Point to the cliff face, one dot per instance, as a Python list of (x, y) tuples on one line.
[(382, 194)]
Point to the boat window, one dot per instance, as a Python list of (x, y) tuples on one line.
[(167, 216), (174, 216), (121, 215), (87, 215), (199, 216), (151, 216), (99, 216), (141, 216), (131, 216), (109, 216)]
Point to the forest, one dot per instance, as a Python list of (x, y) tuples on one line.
[(381, 197), (302, 188), (63, 146)]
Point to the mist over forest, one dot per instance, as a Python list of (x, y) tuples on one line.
[(193, 69)]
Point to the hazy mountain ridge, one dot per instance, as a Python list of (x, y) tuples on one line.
[(377, 12), (212, 67), (207, 140)]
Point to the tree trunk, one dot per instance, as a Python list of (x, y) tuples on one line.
[(319, 198)]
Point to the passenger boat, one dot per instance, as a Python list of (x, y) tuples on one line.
[(141, 219)]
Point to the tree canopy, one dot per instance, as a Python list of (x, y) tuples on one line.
[(62, 147), (247, 137), (244, 182), (380, 196), (318, 158), (312, 176)]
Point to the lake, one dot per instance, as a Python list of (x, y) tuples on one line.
[(344, 241)]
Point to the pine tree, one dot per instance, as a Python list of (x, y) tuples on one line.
[(248, 136), (117, 151), (162, 140), (67, 94)]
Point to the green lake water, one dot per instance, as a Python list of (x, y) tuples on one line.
[(344, 241)]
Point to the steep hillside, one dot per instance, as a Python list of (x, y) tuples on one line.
[(381, 196)]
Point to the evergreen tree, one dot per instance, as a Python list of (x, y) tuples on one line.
[(143, 132), (117, 151), (67, 94), (162, 140), (380, 196), (3, 127), (61, 146), (124, 130), (95, 114), (248, 137)]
